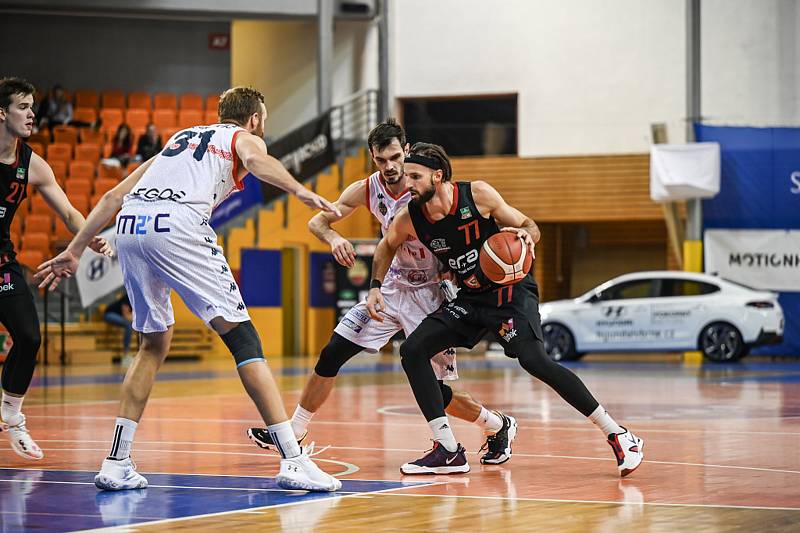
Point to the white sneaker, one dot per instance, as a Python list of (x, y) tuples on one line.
[(21, 441), (119, 475), (628, 450), (301, 473)]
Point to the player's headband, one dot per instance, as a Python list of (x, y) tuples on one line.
[(423, 160)]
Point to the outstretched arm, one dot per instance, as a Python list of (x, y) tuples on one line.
[(320, 224), (253, 153)]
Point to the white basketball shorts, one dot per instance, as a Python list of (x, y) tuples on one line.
[(405, 308), (165, 245)]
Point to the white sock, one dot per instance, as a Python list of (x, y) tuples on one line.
[(123, 439), (603, 420), (10, 409), (300, 420), (443, 434), (283, 437), (489, 421)]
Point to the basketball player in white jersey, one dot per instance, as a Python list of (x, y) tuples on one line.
[(411, 292), (164, 242)]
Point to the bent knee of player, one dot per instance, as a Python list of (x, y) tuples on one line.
[(244, 344)]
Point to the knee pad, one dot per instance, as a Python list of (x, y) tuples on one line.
[(447, 393), (244, 344), (334, 355)]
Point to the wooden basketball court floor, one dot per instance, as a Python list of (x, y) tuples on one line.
[(722, 452)]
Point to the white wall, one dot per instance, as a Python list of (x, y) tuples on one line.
[(592, 76), (279, 58)]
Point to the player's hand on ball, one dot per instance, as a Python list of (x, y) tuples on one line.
[(343, 252), (64, 265), (101, 246), (315, 201), (375, 304), (525, 236)]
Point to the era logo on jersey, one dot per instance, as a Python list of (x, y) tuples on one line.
[(439, 246), (507, 331), (463, 263)]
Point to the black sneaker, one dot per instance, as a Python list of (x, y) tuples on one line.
[(498, 446), (439, 461), (262, 438)]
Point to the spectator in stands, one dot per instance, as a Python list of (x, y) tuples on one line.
[(121, 145), (55, 109), (149, 143), (119, 313)]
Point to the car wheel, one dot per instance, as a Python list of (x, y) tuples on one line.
[(721, 342), (559, 343)]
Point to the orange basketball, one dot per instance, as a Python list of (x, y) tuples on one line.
[(505, 259)]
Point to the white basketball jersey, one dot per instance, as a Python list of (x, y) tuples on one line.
[(413, 264), (197, 167)]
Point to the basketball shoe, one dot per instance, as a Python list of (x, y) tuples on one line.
[(439, 461), (628, 450), (498, 446), (262, 438), (301, 473), (21, 441), (119, 475)]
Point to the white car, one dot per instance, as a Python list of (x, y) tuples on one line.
[(663, 311)]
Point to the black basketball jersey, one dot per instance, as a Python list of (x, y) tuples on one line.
[(457, 238), (13, 189)]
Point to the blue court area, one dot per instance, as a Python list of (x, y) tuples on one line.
[(66, 500)]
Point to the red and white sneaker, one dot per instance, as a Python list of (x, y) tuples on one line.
[(21, 441), (628, 450)]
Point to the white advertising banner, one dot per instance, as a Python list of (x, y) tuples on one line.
[(97, 274), (683, 171), (762, 259)]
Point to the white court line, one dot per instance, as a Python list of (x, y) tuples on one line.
[(255, 509), (160, 486), (551, 500), (408, 450)]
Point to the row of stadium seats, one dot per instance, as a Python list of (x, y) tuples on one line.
[(139, 118), (91, 99)]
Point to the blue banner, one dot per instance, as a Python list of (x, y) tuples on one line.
[(759, 189), (239, 202)]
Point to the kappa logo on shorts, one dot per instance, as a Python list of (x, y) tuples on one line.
[(224, 269), (232, 287), (214, 251), (507, 331), (240, 307), (209, 240), (352, 325)]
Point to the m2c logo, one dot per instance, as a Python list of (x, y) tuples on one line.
[(135, 224)]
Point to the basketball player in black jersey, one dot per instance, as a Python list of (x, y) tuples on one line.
[(20, 167), (453, 220)]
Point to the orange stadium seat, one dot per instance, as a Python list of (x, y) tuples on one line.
[(133, 165), (38, 148), (62, 232), (139, 100), (39, 205), (189, 117), (39, 223), (165, 101), (191, 101), (113, 98), (137, 119), (87, 152), (16, 225), (36, 241), (164, 119), (83, 170), (112, 118), (14, 237), (87, 98), (109, 172), (212, 102), (79, 202), (85, 114), (167, 133), (31, 258), (93, 136), (42, 137), (65, 134), (79, 186), (95, 199), (104, 185), (59, 151), (211, 117), (59, 170)]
